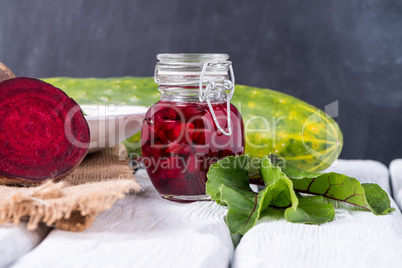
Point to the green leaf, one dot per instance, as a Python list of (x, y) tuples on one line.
[(312, 210), (230, 172), (244, 209), (377, 199), (228, 184), (279, 186), (338, 187)]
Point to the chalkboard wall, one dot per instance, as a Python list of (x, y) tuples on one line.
[(319, 51)]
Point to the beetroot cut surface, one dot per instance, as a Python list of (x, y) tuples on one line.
[(43, 133)]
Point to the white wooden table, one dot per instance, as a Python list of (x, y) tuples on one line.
[(144, 230)]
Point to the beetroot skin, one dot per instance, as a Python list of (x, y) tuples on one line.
[(43, 133)]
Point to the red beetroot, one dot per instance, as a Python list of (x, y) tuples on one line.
[(162, 136), (164, 118), (148, 132), (177, 132), (179, 148), (43, 133), (189, 138), (154, 149), (186, 180), (172, 167)]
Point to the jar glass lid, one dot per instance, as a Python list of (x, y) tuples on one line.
[(191, 57), (211, 72)]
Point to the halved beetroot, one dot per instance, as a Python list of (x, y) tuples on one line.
[(43, 133)]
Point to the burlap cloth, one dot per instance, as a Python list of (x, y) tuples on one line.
[(72, 204)]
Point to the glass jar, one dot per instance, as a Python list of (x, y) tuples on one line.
[(190, 128)]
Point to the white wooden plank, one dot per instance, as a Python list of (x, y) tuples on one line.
[(395, 169), (142, 230), (354, 239), (15, 241)]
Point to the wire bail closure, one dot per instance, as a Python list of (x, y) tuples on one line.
[(227, 84)]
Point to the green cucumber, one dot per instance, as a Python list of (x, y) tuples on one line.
[(274, 122)]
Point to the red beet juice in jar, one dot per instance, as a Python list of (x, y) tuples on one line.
[(192, 126)]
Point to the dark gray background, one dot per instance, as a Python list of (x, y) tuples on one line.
[(319, 51)]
